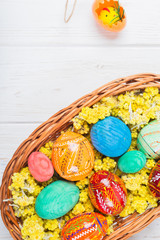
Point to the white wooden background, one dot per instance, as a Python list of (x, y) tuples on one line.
[(46, 64)]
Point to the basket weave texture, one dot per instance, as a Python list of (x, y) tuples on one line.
[(49, 130)]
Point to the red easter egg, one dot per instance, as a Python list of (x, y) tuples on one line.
[(154, 180), (107, 192), (40, 166), (85, 226)]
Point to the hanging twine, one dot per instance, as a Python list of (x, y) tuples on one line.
[(66, 9)]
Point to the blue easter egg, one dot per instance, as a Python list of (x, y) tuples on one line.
[(111, 137)]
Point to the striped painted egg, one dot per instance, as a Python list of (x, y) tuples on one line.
[(154, 181), (107, 192), (72, 156), (111, 137), (86, 226), (148, 140)]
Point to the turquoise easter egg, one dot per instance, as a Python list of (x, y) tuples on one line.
[(111, 137), (132, 162), (56, 199), (148, 140)]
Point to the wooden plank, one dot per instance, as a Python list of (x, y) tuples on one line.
[(11, 137), (37, 82), (39, 23)]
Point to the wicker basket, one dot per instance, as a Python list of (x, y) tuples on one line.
[(49, 130)]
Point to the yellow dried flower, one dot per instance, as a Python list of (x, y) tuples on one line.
[(79, 208), (129, 209), (110, 230), (53, 179), (150, 163), (51, 224), (132, 181), (110, 219), (82, 183), (152, 91), (33, 228), (98, 165), (46, 151), (109, 164), (80, 125), (24, 200), (139, 204), (18, 181), (83, 196), (88, 206), (55, 235)]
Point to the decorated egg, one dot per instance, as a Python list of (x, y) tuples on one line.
[(72, 156), (85, 226), (56, 199), (111, 137), (154, 180), (132, 162), (40, 166), (109, 14), (107, 192), (148, 140)]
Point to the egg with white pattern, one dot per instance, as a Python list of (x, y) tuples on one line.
[(107, 192)]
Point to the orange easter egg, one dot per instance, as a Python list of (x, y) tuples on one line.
[(109, 14), (85, 226), (72, 156)]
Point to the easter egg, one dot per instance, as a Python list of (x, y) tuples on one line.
[(148, 140), (56, 199), (72, 156), (107, 192), (85, 226), (40, 166), (132, 162), (111, 137), (154, 180), (109, 14)]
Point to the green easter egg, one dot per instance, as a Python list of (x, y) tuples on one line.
[(132, 162), (56, 199), (148, 140)]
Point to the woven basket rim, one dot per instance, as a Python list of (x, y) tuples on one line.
[(124, 227)]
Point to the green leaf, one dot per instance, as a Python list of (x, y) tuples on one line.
[(117, 10), (114, 19)]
